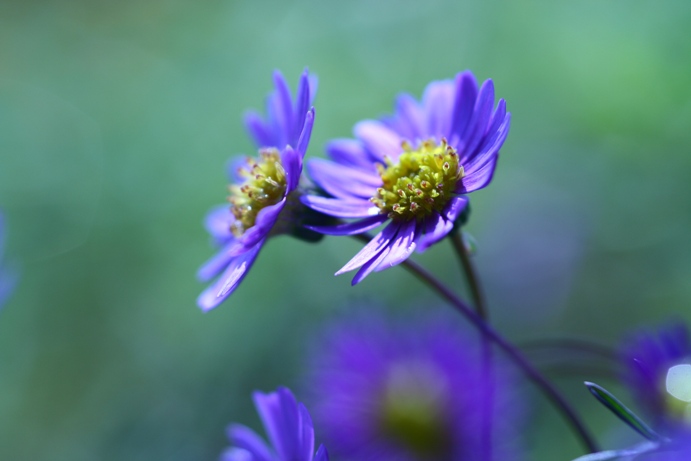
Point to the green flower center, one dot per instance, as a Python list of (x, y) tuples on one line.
[(264, 185), (412, 411), (420, 183)]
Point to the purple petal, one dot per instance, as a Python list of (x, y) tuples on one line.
[(401, 247), (303, 100), (220, 260), (433, 229), (378, 139), (491, 142), (357, 227), (238, 454), (349, 152), (233, 168), (466, 94), (265, 220), (481, 117), (322, 454), (218, 221), (246, 439), (291, 160), (229, 280), (258, 129), (480, 177), (343, 182), (454, 208), (280, 416), (284, 107), (305, 132), (372, 249), (409, 118), (307, 434), (370, 265), (340, 208), (438, 105)]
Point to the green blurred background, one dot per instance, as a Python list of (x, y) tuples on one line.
[(117, 118)]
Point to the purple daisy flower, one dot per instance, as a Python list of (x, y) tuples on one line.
[(412, 169), (288, 425), (409, 390), (264, 193), (658, 374)]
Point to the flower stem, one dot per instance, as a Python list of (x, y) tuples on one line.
[(532, 373), (456, 237)]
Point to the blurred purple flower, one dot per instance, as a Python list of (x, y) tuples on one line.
[(288, 425), (411, 169), (264, 191), (648, 357), (7, 277), (408, 390)]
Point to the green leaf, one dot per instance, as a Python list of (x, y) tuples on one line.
[(622, 412)]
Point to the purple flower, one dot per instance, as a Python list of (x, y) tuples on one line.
[(7, 277), (288, 425), (412, 169), (264, 193), (410, 389), (650, 359)]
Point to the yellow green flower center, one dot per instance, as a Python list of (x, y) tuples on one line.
[(677, 392), (264, 185), (412, 411), (421, 182)]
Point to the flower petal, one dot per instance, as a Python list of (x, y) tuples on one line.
[(291, 160), (265, 220), (437, 101), (357, 227), (303, 99), (477, 128), (478, 178), (238, 454), (378, 139), (466, 94), (408, 120), (229, 280), (372, 249), (340, 208), (258, 129), (454, 208), (349, 152), (370, 265), (343, 182), (401, 247), (218, 221), (281, 418), (434, 228), (220, 260), (246, 439), (322, 454), (306, 448), (305, 133), (284, 111)]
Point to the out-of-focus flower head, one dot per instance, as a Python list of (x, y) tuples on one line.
[(264, 193), (412, 169), (411, 389), (658, 374), (288, 425), (7, 277)]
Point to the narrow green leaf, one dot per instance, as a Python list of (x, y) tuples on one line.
[(622, 412)]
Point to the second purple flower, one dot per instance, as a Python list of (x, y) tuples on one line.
[(411, 170)]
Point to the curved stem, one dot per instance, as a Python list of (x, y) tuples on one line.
[(514, 354), (456, 237), (526, 367)]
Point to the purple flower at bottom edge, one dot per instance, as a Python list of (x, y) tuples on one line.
[(8, 278), (411, 389), (264, 192), (288, 425), (411, 170), (647, 357)]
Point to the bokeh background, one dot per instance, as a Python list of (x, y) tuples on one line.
[(117, 118)]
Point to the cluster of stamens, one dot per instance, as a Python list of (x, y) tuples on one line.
[(420, 182), (264, 185)]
